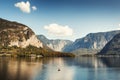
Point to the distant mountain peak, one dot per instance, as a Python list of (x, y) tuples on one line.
[(54, 44)]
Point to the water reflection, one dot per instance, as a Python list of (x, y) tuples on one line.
[(111, 61), (50, 70), (80, 68), (18, 69)]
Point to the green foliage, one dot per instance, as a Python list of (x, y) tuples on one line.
[(40, 51), (31, 50)]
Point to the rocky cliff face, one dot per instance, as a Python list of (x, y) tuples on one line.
[(16, 34), (56, 45), (113, 46), (92, 41)]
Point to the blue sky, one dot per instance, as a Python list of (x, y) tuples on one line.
[(65, 19)]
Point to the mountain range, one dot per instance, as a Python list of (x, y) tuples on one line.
[(17, 39), (54, 44), (91, 43), (19, 35)]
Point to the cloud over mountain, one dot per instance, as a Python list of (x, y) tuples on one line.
[(59, 30)]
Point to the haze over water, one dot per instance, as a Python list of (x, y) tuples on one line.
[(80, 68)]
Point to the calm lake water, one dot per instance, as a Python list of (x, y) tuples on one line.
[(80, 68)]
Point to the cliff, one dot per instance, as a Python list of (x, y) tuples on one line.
[(113, 46), (94, 41), (16, 34), (54, 44)]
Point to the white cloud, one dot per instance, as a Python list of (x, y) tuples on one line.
[(34, 8), (59, 30), (23, 6)]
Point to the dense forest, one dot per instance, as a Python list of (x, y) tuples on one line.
[(31, 50)]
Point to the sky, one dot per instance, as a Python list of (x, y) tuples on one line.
[(63, 19)]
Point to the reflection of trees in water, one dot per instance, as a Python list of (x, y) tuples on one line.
[(18, 69), (3, 72)]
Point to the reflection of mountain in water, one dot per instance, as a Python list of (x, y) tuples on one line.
[(79, 68), (93, 68), (94, 62), (86, 62), (50, 70), (111, 61)]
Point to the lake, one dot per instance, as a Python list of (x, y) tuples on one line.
[(79, 68)]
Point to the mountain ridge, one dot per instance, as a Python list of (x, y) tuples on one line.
[(112, 47), (54, 44), (17, 34), (92, 41), (19, 40)]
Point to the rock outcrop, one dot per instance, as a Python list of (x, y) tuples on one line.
[(16, 34), (113, 46)]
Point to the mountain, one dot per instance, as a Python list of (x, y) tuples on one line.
[(95, 41), (56, 45), (113, 46), (17, 34), (19, 40)]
